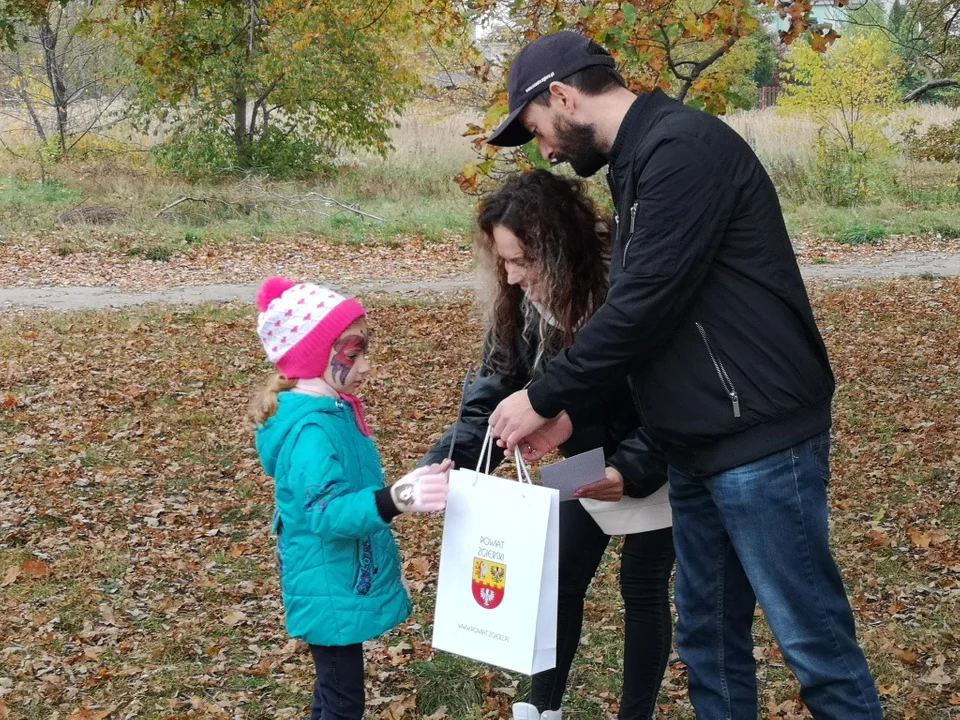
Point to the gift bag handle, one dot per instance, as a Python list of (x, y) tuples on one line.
[(523, 470), (486, 452)]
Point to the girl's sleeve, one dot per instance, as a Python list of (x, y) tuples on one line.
[(320, 493)]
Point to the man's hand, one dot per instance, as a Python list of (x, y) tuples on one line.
[(547, 439), (514, 419), (610, 489)]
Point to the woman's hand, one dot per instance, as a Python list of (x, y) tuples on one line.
[(610, 489)]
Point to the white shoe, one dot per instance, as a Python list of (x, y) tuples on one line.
[(526, 711)]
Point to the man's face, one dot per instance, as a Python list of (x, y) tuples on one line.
[(562, 139)]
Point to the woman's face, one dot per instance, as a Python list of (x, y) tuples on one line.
[(520, 271)]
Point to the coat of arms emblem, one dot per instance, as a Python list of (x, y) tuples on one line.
[(489, 579)]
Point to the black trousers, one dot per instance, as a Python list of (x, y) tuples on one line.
[(645, 565), (338, 693)]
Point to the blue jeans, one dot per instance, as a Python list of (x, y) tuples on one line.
[(760, 532)]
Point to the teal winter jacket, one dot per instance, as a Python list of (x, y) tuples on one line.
[(339, 563)]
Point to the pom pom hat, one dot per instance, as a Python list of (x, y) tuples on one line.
[(298, 324)]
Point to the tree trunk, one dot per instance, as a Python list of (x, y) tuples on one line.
[(34, 117), (58, 88), (241, 137)]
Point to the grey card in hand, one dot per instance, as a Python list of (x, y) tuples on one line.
[(571, 474)]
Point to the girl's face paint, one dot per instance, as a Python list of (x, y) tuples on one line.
[(348, 367)]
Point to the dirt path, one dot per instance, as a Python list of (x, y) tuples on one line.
[(67, 298)]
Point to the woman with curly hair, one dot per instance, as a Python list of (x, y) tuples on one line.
[(537, 241)]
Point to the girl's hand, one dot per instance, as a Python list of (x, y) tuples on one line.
[(423, 490), (610, 489)]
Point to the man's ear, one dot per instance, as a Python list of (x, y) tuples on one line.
[(563, 97)]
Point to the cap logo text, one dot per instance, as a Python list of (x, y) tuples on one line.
[(539, 82)]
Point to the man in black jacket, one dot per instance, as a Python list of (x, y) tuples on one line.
[(708, 319)]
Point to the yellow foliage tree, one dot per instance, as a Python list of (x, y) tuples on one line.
[(850, 91)]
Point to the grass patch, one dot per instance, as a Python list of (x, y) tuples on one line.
[(156, 253), (415, 197), (449, 681), (877, 221), (861, 235), (16, 194)]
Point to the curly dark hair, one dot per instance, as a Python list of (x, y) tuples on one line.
[(565, 237)]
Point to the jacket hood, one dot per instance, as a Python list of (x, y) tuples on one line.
[(292, 414)]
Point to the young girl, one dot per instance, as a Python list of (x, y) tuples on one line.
[(339, 564)]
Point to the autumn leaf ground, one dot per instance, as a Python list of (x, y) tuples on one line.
[(137, 574)]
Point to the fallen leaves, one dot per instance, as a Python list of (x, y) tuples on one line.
[(130, 479), (35, 568), (919, 539), (10, 576), (400, 708), (235, 618), (812, 249), (907, 657), (399, 653), (924, 539), (937, 676), (101, 265), (85, 714), (879, 539)]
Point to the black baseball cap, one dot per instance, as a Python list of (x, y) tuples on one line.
[(546, 59)]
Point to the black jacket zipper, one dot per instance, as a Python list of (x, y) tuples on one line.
[(725, 380), (616, 213), (633, 224)]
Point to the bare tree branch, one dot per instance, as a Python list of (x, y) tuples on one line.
[(204, 200), (919, 92), (703, 65), (100, 114)]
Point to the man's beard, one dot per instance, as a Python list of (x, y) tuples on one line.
[(578, 146)]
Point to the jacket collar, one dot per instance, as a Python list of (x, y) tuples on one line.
[(638, 121)]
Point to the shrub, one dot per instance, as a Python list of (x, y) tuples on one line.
[(849, 92), (941, 143), (200, 154), (842, 176)]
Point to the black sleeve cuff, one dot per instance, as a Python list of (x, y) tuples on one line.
[(541, 401), (385, 505)]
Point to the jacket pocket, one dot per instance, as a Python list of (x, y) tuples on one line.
[(280, 561), (365, 568), (725, 382), (276, 527)]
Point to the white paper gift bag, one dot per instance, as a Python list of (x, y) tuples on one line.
[(497, 585)]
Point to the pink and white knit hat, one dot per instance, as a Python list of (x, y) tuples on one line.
[(298, 324)]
